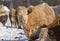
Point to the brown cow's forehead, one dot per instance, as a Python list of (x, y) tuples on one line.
[(22, 10)]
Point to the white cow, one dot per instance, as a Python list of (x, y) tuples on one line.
[(4, 12)]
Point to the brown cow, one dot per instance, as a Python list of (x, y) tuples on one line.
[(37, 16)]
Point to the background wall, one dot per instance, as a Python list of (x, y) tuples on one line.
[(26, 3)]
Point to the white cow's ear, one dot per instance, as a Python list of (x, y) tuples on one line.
[(6, 8)]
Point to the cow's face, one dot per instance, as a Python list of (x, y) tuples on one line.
[(22, 15), (25, 13), (25, 20)]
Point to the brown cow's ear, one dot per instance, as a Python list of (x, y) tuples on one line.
[(30, 10)]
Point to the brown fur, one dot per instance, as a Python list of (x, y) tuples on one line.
[(37, 16)]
